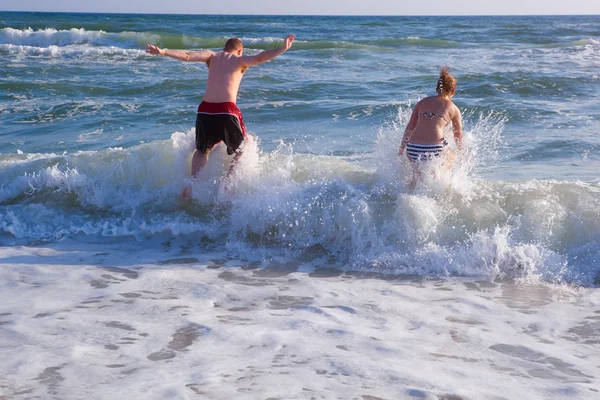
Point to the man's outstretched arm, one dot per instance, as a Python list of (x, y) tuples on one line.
[(201, 56), (267, 55)]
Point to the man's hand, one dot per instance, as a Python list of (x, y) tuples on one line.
[(287, 43), (152, 49)]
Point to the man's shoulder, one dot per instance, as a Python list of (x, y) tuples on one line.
[(223, 55)]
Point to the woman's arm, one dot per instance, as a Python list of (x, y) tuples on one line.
[(457, 128), (412, 123)]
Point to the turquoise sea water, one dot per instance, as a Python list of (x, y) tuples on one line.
[(96, 136)]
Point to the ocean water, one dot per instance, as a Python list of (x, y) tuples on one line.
[(314, 270)]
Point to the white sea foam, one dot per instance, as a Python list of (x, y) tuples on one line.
[(160, 323), (265, 40), (82, 42), (71, 51), (79, 36), (308, 207), (48, 37)]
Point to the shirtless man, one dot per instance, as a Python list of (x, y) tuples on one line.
[(219, 119)]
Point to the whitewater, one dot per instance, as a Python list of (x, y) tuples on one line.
[(314, 270)]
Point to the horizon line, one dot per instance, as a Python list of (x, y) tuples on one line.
[(302, 15)]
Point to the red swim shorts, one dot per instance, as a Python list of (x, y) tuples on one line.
[(218, 122)]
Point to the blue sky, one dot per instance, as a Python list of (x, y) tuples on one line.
[(313, 7)]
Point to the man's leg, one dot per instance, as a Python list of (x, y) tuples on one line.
[(199, 160), (233, 164)]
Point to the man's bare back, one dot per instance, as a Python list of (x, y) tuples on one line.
[(224, 77)]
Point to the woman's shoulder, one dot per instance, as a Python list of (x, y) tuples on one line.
[(454, 106), (426, 100), (454, 111)]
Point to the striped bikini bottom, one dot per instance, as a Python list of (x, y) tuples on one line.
[(424, 152)]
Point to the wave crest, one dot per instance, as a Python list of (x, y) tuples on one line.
[(317, 209)]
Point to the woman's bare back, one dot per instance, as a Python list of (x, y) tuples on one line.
[(433, 114)]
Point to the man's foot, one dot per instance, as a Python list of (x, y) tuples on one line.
[(227, 187), (186, 194)]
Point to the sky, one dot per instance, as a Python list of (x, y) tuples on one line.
[(312, 7)]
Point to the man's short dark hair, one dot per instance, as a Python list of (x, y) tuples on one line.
[(233, 44)]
